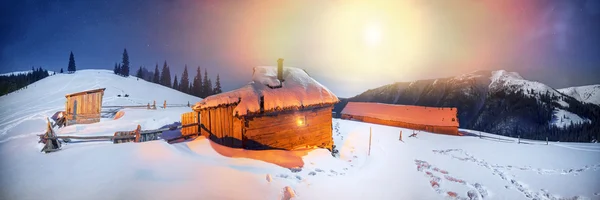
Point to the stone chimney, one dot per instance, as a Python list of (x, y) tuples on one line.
[(280, 69)]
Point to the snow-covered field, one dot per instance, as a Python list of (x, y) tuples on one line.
[(430, 166)]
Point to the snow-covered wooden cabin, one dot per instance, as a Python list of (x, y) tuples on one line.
[(281, 108), (431, 119), (84, 107)]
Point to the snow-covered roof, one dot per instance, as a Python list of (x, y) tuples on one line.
[(404, 113), (297, 90)]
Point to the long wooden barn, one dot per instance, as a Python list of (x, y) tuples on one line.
[(430, 119), (84, 107), (282, 108)]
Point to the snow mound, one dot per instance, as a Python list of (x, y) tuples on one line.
[(588, 93), (297, 90)]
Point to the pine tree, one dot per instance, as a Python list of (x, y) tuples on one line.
[(139, 73), (116, 69), (156, 75), (184, 85), (71, 68), (61, 70), (165, 76), (217, 89), (197, 85), (175, 83), (125, 66), (207, 85)]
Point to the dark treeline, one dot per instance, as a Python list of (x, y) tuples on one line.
[(15, 82), (199, 86)]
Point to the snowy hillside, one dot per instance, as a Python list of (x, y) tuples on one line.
[(588, 93), (22, 72)]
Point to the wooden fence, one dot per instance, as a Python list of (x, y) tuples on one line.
[(189, 118)]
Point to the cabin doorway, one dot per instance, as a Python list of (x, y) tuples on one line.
[(75, 110)]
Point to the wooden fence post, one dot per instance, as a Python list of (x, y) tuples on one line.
[(546, 140), (401, 136), (370, 135), (165, 105), (519, 139)]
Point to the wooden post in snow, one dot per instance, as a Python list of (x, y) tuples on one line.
[(370, 135), (401, 136), (154, 105), (165, 105), (479, 134), (519, 139), (546, 140)]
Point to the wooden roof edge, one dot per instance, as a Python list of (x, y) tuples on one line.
[(86, 92)]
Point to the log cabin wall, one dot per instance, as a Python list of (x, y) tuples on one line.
[(84, 108), (289, 130), (189, 118), (222, 126), (450, 130)]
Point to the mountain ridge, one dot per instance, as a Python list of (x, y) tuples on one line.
[(498, 101)]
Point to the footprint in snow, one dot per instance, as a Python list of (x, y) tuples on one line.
[(318, 170), (333, 172), (296, 170), (312, 173), (283, 176)]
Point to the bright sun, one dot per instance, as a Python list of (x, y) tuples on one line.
[(372, 35)]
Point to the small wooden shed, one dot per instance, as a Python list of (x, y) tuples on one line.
[(84, 107), (431, 119), (282, 108)]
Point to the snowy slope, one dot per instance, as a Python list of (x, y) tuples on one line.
[(22, 72), (588, 93), (491, 167)]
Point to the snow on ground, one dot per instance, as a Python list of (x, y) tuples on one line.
[(588, 93), (562, 118), (430, 166)]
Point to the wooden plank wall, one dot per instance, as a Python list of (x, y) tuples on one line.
[(220, 122), (89, 107), (283, 131), (434, 129), (189, 118)]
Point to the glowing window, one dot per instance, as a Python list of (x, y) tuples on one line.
[(301, 121)]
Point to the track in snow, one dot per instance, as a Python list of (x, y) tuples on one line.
[(500, 170), (477, 191)]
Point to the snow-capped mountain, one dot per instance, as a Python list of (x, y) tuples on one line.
[(588, 93), (499, 101)]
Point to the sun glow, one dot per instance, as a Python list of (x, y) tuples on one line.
[(387, 36), (373, 35)]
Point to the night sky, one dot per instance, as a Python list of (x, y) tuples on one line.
[(349, 46)]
